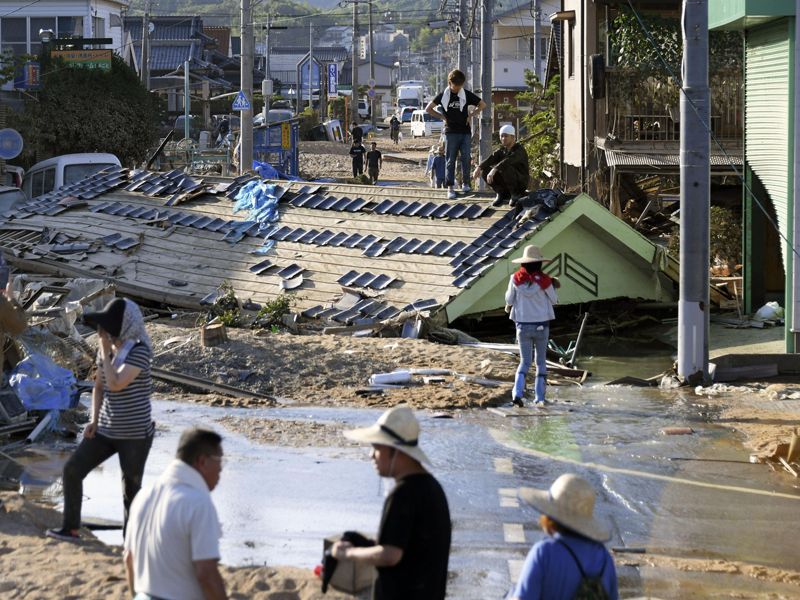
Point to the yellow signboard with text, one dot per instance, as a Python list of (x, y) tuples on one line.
[(90, 59), (286, 136)]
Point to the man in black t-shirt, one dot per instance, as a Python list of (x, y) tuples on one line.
[(413, 546), (455, 106), (357, 151), (357, 133), (374, 163)]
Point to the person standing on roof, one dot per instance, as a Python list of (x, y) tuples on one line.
[(413, 546), (506, 169), (121, 420), (455, 106), (571, 562), (530, 298)]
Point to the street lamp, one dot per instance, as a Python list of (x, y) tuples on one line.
[(46, 35)]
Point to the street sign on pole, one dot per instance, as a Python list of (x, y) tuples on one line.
[(333, 79), (371, 83), (10, 143), (371, 92), (241, 102)]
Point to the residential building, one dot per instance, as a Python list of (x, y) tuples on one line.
[(770, 137), (283, 61), (513, 44), (22, 20)]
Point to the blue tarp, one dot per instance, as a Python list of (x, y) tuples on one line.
[(258, 198), (267, 171), (42, 385)]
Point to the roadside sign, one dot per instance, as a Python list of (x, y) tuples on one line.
[(241, 102), (286, 136), (371, 83), (89, 59), (333, 79), (371, 92), (10, 143)]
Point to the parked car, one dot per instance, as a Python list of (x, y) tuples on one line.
[(281, 104), (405, 113), (423, 124), (195, 126), (53, 173), (274, 115), (10, 196), (363, 109)]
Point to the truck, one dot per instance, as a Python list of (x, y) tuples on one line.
[(410, 93)]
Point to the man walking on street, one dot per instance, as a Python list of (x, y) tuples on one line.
[(374, 163), (506, 169), (172, 542), (455, 106), (357, 151), (413, 544)]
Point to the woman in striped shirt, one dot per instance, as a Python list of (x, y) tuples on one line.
[(121, 420)]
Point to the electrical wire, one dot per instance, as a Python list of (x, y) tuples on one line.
[(707, 127)]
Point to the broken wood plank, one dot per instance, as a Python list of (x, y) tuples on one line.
[(207, 385), (726, 374), (351, 328), (787, 466)]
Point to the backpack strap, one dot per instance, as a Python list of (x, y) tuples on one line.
[(577, 562)]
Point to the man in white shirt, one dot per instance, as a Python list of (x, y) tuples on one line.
[(172, 539)]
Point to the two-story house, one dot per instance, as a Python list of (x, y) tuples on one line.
[(22, 20), (619, 111)]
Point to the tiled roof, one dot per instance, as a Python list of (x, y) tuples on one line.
[(167, 58), (321, 53), (166, 28)]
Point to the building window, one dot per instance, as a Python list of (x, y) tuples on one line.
[(98, 27), (70, 27), (14, 32)]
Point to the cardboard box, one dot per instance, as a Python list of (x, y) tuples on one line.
[(350, 577)]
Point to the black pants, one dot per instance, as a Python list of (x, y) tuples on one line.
[(91, 453), (358, 166), (373, 175), (508, 184)]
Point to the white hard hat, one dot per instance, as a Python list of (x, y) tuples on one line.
[(508, 130)]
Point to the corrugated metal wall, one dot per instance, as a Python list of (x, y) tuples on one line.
[(767, 110)]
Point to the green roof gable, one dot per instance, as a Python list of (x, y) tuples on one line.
[(745, 14)]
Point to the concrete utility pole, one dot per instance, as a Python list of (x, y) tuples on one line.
[(537, 42), (311, 67), (463, 42), (187, 101), (371, 68), (475, 61), (693, 305), (354, 87), (486, 82), (266, 69), (144, 70), (793, 341), (246, 85)]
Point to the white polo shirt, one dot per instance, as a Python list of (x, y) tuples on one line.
[(171, 525)]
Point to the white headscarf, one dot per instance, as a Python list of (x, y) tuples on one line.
[(133, 327)]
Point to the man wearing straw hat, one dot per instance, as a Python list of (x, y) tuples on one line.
[(530, 298), (572, 561), (413, 544)]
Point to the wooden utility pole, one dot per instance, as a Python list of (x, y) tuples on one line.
[(144, 68), (246, 87)]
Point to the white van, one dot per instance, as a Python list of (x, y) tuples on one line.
[(48, 175), (423, 124)]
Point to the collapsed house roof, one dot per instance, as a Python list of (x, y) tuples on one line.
[(170, 238)]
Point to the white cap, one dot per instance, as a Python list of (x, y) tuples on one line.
[(508, 129)]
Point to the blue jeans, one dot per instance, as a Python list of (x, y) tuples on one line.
[(455, 142), (532, 339)]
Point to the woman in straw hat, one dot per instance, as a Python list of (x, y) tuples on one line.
[(121, 420), (530, 298), (413, 544), (573, 556)]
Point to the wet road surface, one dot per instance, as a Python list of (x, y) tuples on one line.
[(277, 504)]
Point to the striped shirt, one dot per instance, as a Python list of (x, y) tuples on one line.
[(126, 414)]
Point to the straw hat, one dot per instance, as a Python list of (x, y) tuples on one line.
[(570, 501), (398, 428), (531, 254)]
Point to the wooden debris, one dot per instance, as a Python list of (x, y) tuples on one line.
[(726, 374), (213, 335), (208, 386), (787, 466), (677, 431)]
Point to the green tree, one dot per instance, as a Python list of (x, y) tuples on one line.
[(90, 110), (541, 137), (426, 39)]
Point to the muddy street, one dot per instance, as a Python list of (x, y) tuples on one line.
[(692, 517)]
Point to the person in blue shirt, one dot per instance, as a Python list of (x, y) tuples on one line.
[(573, 548)]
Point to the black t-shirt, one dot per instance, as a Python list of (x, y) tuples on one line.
[(457, 119), (416, 519), (357, 151), (358, 134), (373, 159)]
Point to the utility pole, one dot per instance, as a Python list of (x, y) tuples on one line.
[(246, 85), (486, 83), (693, 304), (267, 88), (475, 60), (463, 49), (354, 88), (144, 70), (371, 68), (793, 341), (311, 68), (186, 101), (537, 42)]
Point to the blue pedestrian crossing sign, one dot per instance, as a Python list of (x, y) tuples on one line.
[(241, 102)]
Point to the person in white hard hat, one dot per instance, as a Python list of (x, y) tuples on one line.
[(506, 169), (413, 546)]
